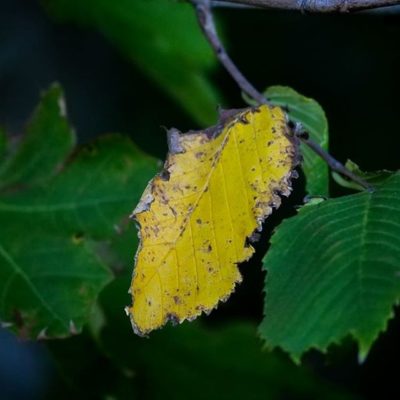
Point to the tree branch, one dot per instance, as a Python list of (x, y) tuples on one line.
[(334, 164), (317, 6), (206, 20), (226, 4)]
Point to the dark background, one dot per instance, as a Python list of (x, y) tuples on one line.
[(349, 63)]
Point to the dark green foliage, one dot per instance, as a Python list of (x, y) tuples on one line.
[(41, 151), (161, 37), (51, 217), (333, 270)]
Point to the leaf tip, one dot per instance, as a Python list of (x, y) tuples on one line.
[(73, 330), (42, 334)]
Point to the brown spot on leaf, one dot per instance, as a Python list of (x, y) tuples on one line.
[(173, 318), (164, 175), (78, 238)]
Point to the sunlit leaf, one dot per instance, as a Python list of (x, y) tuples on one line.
[(217, 187)]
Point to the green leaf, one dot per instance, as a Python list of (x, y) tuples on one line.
[(50, 269), (224, 362), (104, 180), (373, 178), (311, 115), (43, 148), (161, 37), (333, 271)]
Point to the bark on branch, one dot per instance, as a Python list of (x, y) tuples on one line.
[(316, 6)]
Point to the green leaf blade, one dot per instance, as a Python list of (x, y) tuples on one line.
[(96, 189), (333, 271), (162, 38), (54, 235), (48, 285), (48, 140)]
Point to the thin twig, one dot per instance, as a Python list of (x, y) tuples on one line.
[(206, 21), (317, 6), (334, 164)]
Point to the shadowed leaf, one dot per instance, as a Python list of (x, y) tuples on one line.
[(162, 38), (50, 274), (43, 148)]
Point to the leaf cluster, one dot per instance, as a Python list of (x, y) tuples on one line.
[(67, 245)]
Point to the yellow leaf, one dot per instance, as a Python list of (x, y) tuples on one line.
[(195, 217)]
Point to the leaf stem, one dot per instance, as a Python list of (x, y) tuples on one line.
[(206, 21), (334, 164)]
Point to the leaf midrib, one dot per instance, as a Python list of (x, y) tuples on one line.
[(187, 219)]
